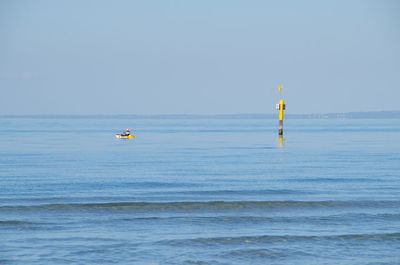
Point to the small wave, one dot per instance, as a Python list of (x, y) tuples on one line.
[(232, 192), (336, 180), (261, 253), (228, 219), (14, 223), (207, 205), (211, 241)]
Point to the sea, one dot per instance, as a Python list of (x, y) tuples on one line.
[(199, 190)]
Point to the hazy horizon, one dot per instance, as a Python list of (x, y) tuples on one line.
[(356, 114), (200, 58)]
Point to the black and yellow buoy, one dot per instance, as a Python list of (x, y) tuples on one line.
[(281, 108)]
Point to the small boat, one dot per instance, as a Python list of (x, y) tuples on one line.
[(121, 136), (125, 135)]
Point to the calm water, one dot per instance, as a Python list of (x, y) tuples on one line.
[(199, 191)]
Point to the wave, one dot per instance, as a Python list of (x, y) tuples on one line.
[(233, 192), (14, 223), (263, 253), (204, 205), (246, 219), (209, 241)]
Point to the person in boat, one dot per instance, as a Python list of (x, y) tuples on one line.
[(126, 132)]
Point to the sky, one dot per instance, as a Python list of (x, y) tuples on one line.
[(198, 57)]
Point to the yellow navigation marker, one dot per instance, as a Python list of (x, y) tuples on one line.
[(281, 108)]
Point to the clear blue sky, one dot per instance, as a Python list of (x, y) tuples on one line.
[(198, 57)]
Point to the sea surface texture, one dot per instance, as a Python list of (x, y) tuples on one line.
[(199, 191)]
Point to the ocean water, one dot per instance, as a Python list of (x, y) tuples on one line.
[(199, 191)]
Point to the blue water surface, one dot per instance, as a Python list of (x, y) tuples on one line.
[(199, 191)]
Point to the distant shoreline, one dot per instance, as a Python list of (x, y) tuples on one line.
[(345, 115)]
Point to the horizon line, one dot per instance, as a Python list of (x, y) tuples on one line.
[(352, 114)]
